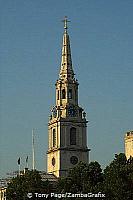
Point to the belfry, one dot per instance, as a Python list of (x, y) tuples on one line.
[(67, 126)]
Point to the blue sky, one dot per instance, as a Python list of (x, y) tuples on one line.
[(101, 34)]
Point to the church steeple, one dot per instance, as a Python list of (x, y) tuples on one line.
[(66, 71), (67, 126)]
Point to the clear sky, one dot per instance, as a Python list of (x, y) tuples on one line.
[(101, 34)]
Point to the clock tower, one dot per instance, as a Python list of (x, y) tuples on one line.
[(67, 126)]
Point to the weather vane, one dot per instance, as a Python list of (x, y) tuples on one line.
[(65, 23)]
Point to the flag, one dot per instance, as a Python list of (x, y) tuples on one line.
[(27, 159), (19, 161)]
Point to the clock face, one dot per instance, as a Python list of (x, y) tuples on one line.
[(74, 160), (72, 111), (53, 161), (54, 112)]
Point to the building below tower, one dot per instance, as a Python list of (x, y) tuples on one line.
[(129, 144)]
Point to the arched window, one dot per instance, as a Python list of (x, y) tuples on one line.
[(54, 138), (63, 94), (58, 93), (70, 94), (73, 136)]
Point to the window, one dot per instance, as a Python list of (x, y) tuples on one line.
[(63, 94), (73, 136), (54, 138), (70, 94), (58, 95), (53, 161)]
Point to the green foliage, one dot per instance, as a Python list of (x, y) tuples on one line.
[(116, 182), (30, 182), (118, 179), (82, 179)]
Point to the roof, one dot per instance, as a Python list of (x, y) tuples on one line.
[(45, 176), (50, 177)]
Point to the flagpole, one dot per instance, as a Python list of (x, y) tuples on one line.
[(19, 170), (19, 166), (33, 150), (27, 162)]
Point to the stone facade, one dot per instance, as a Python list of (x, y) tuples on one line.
[(67, 127), (3, 193), (129, 144)]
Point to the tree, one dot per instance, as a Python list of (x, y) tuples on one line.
[(30, 182), (74, 181), (118, 179), (94, 178), (116, 182), (82, 179)]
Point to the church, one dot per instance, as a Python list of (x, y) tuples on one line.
[(67, 126)]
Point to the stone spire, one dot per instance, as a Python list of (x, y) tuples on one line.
[(66, 71)]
